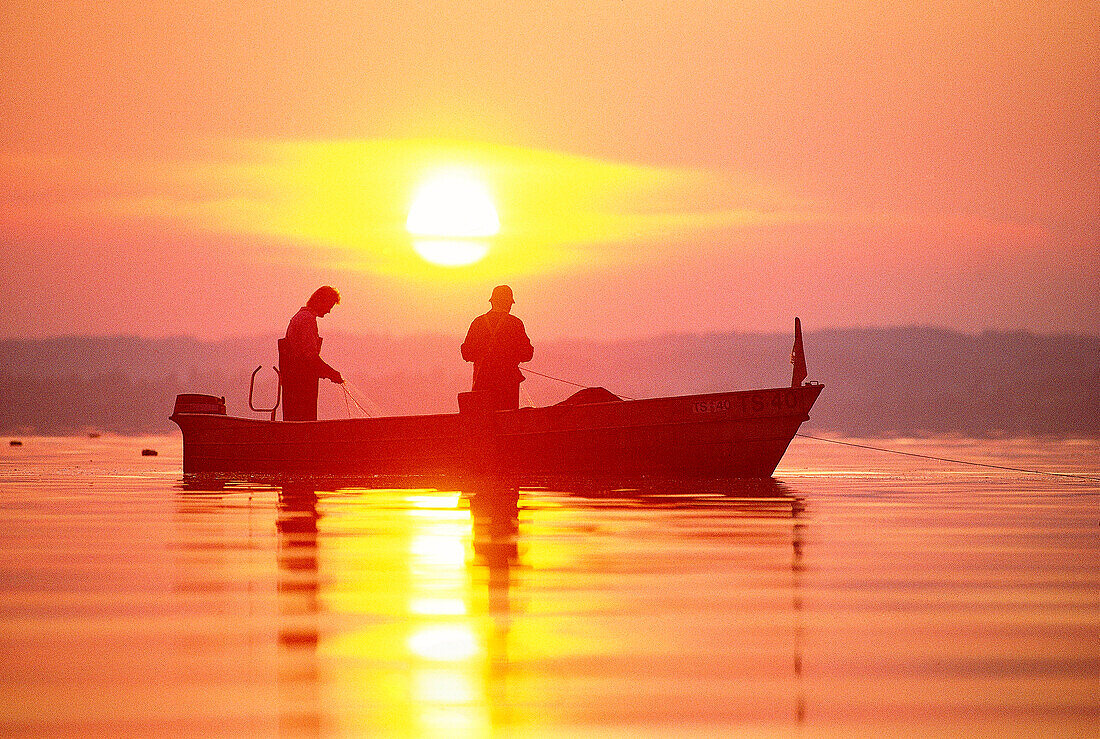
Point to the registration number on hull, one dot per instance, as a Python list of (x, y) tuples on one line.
[(750, 404)]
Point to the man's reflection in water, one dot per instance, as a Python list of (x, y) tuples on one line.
[(494, 512), (298, 588), (494, 519)]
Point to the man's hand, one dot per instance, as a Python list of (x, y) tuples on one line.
[(336, 377)]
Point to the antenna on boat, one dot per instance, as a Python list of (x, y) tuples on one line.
[(798, 356), (278, 393)]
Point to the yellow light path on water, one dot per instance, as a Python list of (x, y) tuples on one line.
[(432, 632)]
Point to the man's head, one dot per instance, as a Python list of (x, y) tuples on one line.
[(323, 299), (501, 298)]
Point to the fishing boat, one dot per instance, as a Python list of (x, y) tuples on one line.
[(593, 433)]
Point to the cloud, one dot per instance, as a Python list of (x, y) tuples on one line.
[(237, 227), (344, 203)]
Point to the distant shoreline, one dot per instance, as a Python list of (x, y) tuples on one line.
[(880, 383)]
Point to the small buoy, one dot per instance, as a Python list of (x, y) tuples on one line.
[(148, 452), (15, 442), (93, 435)]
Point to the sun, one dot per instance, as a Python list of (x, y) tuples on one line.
[(451, 252), (451, 215), (452, 204)]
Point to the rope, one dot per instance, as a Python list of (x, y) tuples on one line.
[(347, 387), (569, 382), (947, 459)]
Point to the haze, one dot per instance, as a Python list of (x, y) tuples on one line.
[(183, 168)]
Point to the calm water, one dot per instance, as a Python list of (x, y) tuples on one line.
[(860, 594)]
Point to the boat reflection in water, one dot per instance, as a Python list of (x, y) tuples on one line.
[(299, 607), (464, 612)]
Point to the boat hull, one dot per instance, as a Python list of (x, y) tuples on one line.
[(736, 434)]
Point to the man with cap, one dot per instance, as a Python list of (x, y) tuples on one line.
[(300, 363), (496, 343)]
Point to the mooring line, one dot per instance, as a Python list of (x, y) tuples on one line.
[(948, 459)]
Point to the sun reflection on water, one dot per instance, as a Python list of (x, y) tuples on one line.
[(437, 606), (433, 624), (444, 645), (908, 603)]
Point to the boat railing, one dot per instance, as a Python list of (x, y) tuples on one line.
[(278, 392)]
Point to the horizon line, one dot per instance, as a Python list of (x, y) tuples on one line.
[(565, 338)]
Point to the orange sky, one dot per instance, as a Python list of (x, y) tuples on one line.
[(199, 168)]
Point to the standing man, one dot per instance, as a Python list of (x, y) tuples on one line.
[(496, 343), (300, 363)]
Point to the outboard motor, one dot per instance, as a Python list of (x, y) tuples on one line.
[(199, 403)]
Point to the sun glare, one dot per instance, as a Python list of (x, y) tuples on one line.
[(453, 205), (452, 212), (451, 252)]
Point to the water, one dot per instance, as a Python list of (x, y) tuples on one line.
[(860, 594)]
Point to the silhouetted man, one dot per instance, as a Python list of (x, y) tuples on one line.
[(496, 343), (300, 363)]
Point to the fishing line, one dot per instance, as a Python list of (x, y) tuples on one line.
[(347, 405), (347, 396), (351, 391), (569, 382), (947, 459), (365, 401)]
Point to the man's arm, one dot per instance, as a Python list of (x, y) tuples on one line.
[(474, 346), (324, 370), (522, 347)]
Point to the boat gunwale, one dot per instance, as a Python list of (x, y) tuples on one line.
[(219, 438), (535, 432), (615, 403)]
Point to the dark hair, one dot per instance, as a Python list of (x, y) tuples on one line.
[(323, 297)]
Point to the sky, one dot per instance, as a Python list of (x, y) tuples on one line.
[(656, 167)]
